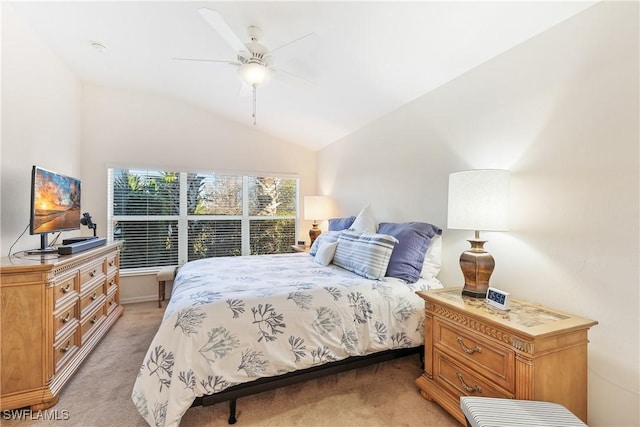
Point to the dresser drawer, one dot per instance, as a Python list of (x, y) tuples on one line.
[(91, 273), (111, 303), (91, 321), (64, 318), (92, 297), (65, 289), (111, 284), (65, 348), (112, 264), (477, 352), (462, 381)]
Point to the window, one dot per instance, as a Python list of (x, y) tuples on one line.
[(168, 218)]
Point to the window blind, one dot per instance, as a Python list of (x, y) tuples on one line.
[(168, 218)]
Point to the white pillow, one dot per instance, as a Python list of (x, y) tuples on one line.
[(325, 254), (365, 222), (322, 239), (432, 259)]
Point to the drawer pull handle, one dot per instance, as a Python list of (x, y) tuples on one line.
[(67, 348), (112, 263), (466, 387), (95, 319), (93, 273), (66, 319), (93, 297), (466, 349), (111, 283), (66, 288)]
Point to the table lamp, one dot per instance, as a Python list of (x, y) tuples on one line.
[(316, 208), (478, 200)]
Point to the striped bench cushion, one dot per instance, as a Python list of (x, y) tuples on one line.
[(494, 412)]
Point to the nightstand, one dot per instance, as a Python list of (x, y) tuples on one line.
[(299, 248), (530, 352)]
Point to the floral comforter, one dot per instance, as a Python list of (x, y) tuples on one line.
[(233, 320)]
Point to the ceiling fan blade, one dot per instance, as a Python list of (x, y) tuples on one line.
[(214, 19), (290, 78), (208, 60), (309, 36)]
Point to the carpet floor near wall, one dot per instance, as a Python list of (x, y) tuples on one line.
[(99, 394)]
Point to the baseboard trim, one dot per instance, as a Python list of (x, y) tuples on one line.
[(134, 300)]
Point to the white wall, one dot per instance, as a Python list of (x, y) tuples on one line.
[(129, 129), (561, 112), (50, 119), (40, 123)]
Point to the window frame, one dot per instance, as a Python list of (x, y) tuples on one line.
[(183, 218)]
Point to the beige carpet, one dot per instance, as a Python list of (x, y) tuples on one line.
[(99, 394)]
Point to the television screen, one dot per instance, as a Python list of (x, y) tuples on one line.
[(55, 202)]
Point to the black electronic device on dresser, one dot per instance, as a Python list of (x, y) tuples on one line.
[(73, 247)]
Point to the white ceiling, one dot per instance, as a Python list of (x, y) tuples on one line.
[(365, 59)]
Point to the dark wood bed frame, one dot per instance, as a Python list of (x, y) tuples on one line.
[(232, 394)]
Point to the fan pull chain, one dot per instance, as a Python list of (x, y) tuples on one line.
[(254, 105)]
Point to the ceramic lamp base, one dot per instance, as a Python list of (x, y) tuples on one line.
[(314, 232), (477, 266)]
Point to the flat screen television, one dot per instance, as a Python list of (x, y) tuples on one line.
[(55, 205)]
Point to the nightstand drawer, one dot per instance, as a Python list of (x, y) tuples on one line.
[(478, 353), (462, 381)]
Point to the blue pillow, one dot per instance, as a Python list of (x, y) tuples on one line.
[(408, 255), (337, 224)]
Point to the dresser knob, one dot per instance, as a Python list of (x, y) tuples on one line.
[(466, 349), (66, 288), (94, 296), (66, 319), (466, 387), (67, 348)]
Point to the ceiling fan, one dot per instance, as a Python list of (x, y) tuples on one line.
[(253, 59)]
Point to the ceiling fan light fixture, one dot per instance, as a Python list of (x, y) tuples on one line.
[(254, 74)]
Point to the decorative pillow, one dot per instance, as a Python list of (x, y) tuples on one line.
[(365, 222), (322, 239), (432, 259), (337, 224), (365, 254), (408, 256), (325, 254)]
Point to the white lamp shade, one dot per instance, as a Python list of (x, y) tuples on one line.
[(479, 200), (317, 207)]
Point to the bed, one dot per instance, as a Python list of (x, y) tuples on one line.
[(239, 325)]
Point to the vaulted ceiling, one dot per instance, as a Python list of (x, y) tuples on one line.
[(362, 60)]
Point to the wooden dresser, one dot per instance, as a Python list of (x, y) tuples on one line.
[(54, 311), (529, 352)]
